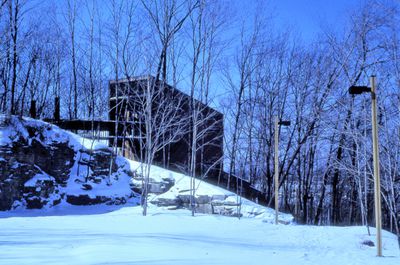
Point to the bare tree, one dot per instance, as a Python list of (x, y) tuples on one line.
[(205, 24), (14, 8), (71, 21), (168, 18)]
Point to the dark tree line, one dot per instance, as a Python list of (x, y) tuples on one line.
[(326, 174)]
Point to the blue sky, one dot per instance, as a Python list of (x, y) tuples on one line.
[(309, 15), (306, 16)]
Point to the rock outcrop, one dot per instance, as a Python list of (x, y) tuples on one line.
[(155, 186), (207, 204), (41, 165)]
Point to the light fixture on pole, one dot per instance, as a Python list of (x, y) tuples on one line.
[(276, 157), (354, 90)]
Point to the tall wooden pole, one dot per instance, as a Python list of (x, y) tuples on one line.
[(377, 184), (276, 179), (57, 108)]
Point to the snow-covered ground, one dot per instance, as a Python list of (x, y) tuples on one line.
[(101, 234), (106, 235)]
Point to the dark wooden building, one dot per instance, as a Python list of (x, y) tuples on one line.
[(172, 116), (171, 106)]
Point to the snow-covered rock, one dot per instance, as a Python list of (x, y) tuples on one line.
[(208, 199), (41, 165)]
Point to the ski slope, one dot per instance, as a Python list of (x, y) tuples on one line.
[(108, 235)]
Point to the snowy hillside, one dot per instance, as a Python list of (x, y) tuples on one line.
[(206, 196), (44, 166)]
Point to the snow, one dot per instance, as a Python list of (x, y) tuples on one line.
[(5, 137), (102, 234), (6, 134), (51, 133), (118, 185), (32, 182), (85, 235), (157, 173)]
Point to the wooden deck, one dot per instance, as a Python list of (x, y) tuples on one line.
[(85, 125)]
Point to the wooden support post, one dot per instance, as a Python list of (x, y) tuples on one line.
[(32, 110), (57, 108)]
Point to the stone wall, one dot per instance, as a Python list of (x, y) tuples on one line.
[(207, 204)]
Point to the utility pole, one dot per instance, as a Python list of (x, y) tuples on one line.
[(276, 158), (377, 181), (276, 178), (356, 90)]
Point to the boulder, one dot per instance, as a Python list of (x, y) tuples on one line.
[(203, 199), (225, 210), (85, 199), (34, 203), (219, 197), (154, 186), (12, 182), (184, 198), (204, 208), (86, 186), (167, 202), (36, 153)]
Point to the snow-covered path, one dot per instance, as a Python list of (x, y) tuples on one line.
[(174, 237)]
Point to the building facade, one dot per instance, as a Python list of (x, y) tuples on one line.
[(153, 116)]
